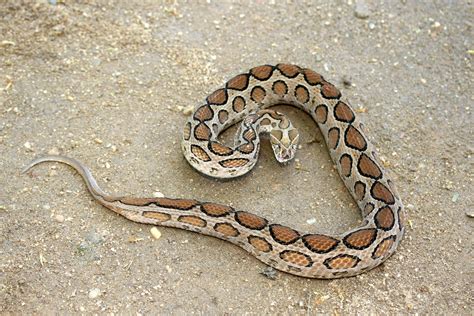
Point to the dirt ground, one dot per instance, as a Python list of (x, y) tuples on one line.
[(106, 82)]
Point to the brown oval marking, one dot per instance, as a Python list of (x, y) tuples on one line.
[(161, 217), (280, 88), (320, 243), (178, 204), (226, 229), (215, 128), (368, 168), (216, 210), (239, 82), (260, 243), (401, 218), (250, 220), (202, 132), (289, 70), (249, 135), (192, 220), (187, 131), (223, 116), (369, 207), (381, 193), (333, 137), (359, 189), (346, 165), (274, 114), (258, 94), (343, 113), (275, 136), (265, 121), (312, 77), (360, 239), (246, 148), (392, 187), (203, 113), (293, 134), (262, 72), (384, 219), (200, 153), (354, 139), (219, 149), (284, 122), (342, 261), (296, 258), (238, 105), (233, 163), (321, 113), (301, 94), (283, 235), (218, 97), (329, 91), (130, 200), (181, 204), (384, 247)]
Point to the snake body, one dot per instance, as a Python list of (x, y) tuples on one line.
[(246, 98)]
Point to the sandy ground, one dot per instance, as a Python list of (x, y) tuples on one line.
[(105, 82)]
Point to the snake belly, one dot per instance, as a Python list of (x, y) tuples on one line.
[(304, 254)]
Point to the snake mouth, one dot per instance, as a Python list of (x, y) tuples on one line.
[(285, 158)]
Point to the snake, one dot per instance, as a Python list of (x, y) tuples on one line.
[(247, 98)]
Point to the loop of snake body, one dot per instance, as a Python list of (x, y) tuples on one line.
[(245, 98)]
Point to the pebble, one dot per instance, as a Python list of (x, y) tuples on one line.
[(270, 273), (311, 221), (155, 233), (158, 194), (361, 10), (455, 197), (59, 218), (27, 145), (94, 293), (470, 214), (53, 151)]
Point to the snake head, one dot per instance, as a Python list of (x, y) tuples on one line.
[(284, 144)]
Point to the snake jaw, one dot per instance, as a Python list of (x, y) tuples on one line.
[(283, 154)]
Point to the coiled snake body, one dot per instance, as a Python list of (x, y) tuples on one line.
[(245, 98)]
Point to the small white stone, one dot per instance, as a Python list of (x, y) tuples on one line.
[(158, 194), (27, 145), (155, 233), (361, 9), (94, 293), (53, 151), (59, 218), (411, 207), (311, 221)]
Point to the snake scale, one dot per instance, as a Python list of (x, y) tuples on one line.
[(245, 98)]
